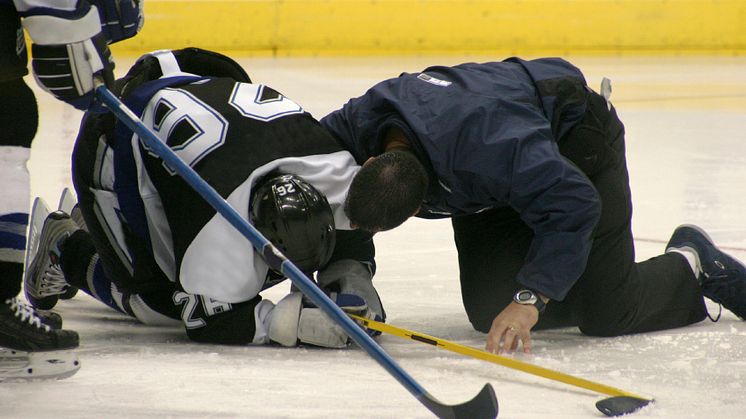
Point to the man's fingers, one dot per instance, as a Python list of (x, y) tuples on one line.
[(496, 339), (526, 339), (511, 328), (509, 339)]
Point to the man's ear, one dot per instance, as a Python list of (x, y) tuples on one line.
[(370, 159)]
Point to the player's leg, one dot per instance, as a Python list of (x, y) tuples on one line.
[(96, 258), (44, 281), (66, 256), (93, 179), (62, 253), (29, 348), (18, 124), (69, 205)]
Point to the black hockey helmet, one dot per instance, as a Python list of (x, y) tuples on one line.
[(296, 218)]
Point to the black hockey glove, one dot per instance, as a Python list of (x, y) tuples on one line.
[(120, 19), (69, 52), (68, 71), (351, 277)]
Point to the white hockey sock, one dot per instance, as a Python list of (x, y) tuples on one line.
[(14, 207), (14, 180), (692, 258)]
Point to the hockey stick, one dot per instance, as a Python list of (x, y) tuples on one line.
[(483, 405), (621, 404)]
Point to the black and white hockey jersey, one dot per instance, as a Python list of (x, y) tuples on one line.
[(232, 134)]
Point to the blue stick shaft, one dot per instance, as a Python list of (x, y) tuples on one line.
[(273, 256)]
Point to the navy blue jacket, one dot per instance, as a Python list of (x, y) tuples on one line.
[(488, 135)]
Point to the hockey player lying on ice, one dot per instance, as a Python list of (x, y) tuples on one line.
[(150, 247)]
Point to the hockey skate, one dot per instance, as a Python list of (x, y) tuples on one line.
[(722, 277), (30, 349), (51, 319), (69, 205), (44, 281)]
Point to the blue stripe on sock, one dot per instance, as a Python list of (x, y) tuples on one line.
[(13, 231), (16, 217), (12, 241)]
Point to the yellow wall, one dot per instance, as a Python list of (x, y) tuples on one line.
[(365, 27)]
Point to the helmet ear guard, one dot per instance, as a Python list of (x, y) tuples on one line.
[(296, 218)]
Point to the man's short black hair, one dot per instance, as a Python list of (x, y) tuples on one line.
[(386, 191)]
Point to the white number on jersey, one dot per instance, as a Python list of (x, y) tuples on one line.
[(190, 302), (202, 128), (256, 102), (205, 128), (187, 311)]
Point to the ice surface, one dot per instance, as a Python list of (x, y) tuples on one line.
[(686, 138)]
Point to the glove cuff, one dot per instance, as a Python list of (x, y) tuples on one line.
[(52, 30), (283, 326), (349, 276), (345, 269)]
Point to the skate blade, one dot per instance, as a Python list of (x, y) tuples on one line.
[(67, 201), (29, 366), (39, 213)]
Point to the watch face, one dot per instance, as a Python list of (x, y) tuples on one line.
[(525, 297)]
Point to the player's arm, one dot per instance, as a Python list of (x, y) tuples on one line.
[(211, 321), (292, 321), (562, 208)]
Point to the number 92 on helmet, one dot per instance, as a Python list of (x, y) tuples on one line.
[(296, 218)]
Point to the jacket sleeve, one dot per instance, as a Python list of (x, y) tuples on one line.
[(561, 206)]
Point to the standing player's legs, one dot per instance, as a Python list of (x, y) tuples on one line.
[(18, 123), (29, 347)]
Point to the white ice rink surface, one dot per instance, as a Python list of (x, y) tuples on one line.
[(686, 139)]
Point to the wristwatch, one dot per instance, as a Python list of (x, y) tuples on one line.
[(530, 297)]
